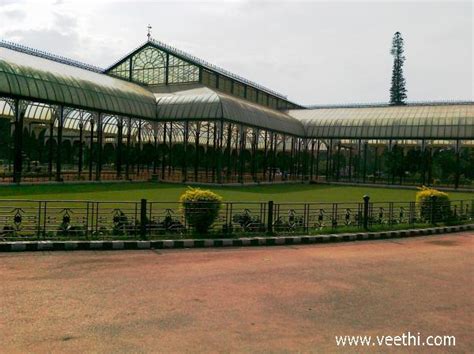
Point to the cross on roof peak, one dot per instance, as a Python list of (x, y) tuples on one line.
[(149, 31)]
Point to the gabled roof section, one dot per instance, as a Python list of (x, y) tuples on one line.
[(37, 76), (199, 63)]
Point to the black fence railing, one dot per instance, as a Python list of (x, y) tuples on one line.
[(76, 219)]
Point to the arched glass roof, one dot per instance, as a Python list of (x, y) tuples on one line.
[(32, 77), (202, 103), (45, 81), (449, 121)]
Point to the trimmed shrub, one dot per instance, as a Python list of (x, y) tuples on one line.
[(201, 208), (434, 205)]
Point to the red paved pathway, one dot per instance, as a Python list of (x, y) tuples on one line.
[(280, 299)]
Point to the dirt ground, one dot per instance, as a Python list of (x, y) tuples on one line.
[(274, 299)]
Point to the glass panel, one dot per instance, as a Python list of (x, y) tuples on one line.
[(31, 83), (262, 98), (239, 90), (206, 77), (13, 83), (251, 94), (181, 71), (149, 66), (282, 104), (4, 86), (209, 78), (272, 102), (23, 85), (61, 83), (225, 85), (122, 70)]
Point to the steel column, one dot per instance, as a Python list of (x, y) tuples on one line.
[(376, 161), (292, 158), (129, 142), (196, 153), (18, 142), (220, 143), (206, 156), (100, 137), (81, 150), (265, 156), (236, 152), (155, 149), (328, 159), (430, 164), (350, 163), (392, 155), (256, 133), (270, 158), (403, 171), (458, 162), (274, 155), (170, 155), (184, 170), (214, 153), (423, 162), (284, 172), (318, 149), (60, 141), (50, 154), (229, 147), (338, 161), (311, 166), (359, 159), (139, 150), (91, 149), (364, 168), (242, 138), (299, 159), (163, 157), (119, 147)]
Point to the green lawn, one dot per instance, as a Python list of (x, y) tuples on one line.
[(171, 192)]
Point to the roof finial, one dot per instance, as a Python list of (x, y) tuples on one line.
[(149, 31)]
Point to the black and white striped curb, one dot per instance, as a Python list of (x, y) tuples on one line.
[(18, 246)]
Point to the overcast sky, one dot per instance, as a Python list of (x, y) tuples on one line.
[(315, 52)]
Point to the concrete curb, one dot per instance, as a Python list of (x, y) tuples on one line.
[(19, 246)]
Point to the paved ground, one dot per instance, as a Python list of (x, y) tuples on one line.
[(280, 299)]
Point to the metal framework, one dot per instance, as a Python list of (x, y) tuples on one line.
[(160, 113), (156, 63)]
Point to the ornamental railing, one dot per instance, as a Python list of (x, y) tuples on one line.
[(78, 219)]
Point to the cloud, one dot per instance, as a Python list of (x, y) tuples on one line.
[(315, 52)]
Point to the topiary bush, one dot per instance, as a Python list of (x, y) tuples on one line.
[(201, 208), (433, 204)]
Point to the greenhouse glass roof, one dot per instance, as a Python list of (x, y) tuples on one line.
[(36, 78), (441, 121), (46, 81), (202, 103)]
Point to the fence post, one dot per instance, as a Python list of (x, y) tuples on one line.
[(432, 209), (38, 227), (270, 217), (143, 219), (366, 212), (412, 213)]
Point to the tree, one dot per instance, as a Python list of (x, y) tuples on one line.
[(398, 92)]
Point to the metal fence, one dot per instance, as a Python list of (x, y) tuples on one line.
[(75, 219)]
